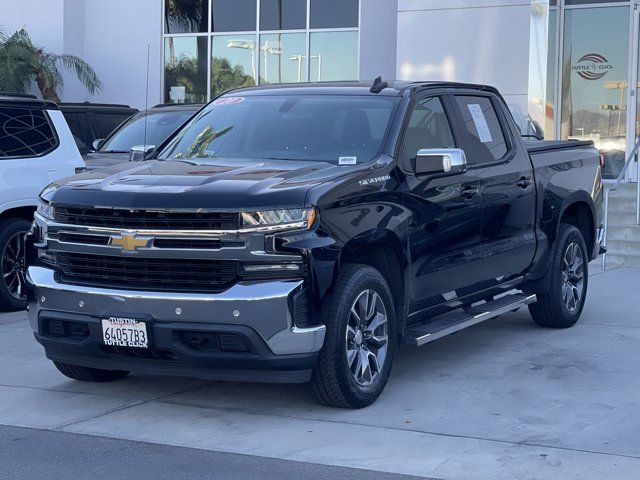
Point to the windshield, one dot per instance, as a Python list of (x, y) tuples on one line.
[(330, 128), (159, 126)]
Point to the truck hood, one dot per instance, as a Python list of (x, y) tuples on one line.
[(214, 183)]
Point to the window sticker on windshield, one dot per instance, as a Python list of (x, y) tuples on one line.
[(228, 100), (347, 160), (480, 122)]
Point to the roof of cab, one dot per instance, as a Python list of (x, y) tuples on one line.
[(393, 88)]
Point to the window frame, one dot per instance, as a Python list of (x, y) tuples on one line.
[(505, 127), (419, 97), (47, 117), (256, 32)]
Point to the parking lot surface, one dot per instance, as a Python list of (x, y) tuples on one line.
[(501, 400)]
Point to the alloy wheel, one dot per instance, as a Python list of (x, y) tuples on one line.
[(572, 277), (367, 338), (13, 266)]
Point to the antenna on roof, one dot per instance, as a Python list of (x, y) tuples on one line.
[(146, 98), (378, 85)]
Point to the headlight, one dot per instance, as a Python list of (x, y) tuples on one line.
[(276, 219), (46, 210)]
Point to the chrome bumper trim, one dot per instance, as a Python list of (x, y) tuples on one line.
[(261, 306)]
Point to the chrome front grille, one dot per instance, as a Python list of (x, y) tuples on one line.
[(147, 219), (180, 251)]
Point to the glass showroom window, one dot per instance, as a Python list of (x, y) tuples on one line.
[(283, 58), (283, 14), (244, 42), (186, 16), (232, 62), (185, 69), (333, 56)]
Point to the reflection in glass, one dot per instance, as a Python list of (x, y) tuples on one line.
[(283, 58), (232, 62), (185, 69), (334, 56), (233, 15), (185, 16), (594, 81), (283, 14), (333, 13)]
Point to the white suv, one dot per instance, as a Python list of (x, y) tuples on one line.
[(36, 148)]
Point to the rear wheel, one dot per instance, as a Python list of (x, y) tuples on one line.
[(562, 306), (86, 374), (356, 358), (12, 283)]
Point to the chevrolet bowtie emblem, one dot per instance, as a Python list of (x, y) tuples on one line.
[(129, 241)]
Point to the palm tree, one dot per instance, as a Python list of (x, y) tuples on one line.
[(22, 62)]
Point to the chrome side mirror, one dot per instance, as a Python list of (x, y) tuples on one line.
[(444, 161), (139, 152), (97, 143)]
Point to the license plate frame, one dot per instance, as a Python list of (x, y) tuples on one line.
[(123, 331)]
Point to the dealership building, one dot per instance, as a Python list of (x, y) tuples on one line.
[(568, 68)]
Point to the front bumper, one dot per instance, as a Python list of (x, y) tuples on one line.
[(189, 332)]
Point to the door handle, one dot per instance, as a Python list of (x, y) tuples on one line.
[(524, 182), (469, 193)]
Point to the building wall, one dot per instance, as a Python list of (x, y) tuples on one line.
[(378, 38), (110, 35), (478, 41), (116, 37)]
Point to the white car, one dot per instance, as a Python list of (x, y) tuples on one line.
[(36, 148)]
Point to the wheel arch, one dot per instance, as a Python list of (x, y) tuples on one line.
[(382, 250), (24, 212)]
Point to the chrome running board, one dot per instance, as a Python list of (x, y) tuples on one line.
[(448, 323)]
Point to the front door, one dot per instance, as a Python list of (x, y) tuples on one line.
[(506, 184), (445, 231)]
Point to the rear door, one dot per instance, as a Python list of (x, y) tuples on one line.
[(507, 186), (445, 227)]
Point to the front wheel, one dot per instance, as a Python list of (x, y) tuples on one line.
[(12, 282), (562, 305), (356, 358)]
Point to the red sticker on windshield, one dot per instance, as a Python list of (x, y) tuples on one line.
[(228, 100)]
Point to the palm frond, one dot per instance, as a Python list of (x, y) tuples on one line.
[(85, 73)]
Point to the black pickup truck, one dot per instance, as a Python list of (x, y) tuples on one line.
[(302, 233)]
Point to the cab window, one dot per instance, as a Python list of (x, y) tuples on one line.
[(428, 127), (485, 139)]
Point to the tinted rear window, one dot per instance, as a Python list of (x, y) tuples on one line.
[(25, 132)]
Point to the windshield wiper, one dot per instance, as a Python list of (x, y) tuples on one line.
[(113, 151)]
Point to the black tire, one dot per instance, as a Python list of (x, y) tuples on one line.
[(13, 284), (333, 383), (551, 309), (86, 374)]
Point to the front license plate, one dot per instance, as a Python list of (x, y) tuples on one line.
[(124, 332)]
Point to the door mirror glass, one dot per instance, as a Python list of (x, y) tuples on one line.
[(97, 143), (443, 161), (139, 152)]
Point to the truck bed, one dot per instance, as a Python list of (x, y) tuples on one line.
[(536, 146)]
